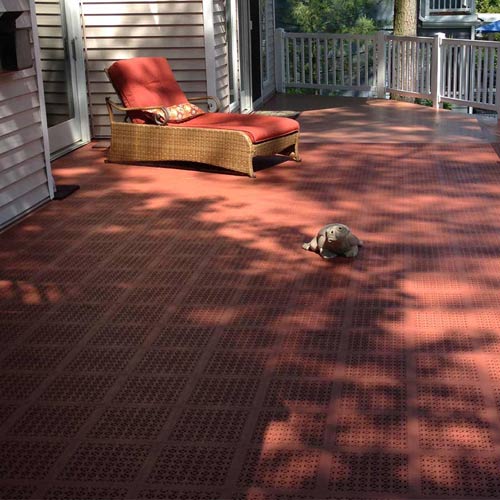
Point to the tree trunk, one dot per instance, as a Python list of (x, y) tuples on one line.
[(405, 17), (405, 24)]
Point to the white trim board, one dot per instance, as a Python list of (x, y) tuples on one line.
[(208, 25)]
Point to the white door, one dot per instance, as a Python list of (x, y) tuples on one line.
[(245, 53), (63, 71)]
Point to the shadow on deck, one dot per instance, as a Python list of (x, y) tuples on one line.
[(351, 120), (165, 336)]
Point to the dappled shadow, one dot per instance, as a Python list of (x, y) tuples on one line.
[(165, 336)]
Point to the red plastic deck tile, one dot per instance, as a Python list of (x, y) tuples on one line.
[(164, 335)]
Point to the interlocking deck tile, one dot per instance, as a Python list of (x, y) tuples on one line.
[(105, 462), (164, 335), (130, 422), (28, 459), (192, 465), (51, 421), (201, 425)]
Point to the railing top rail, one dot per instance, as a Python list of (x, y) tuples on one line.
[(330, 35), (449, 9), (409, 38), (474, 43)]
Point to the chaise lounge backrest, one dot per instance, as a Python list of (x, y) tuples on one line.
[(143, 82)]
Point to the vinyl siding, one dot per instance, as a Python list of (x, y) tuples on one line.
[(117, 30), (23, 172)]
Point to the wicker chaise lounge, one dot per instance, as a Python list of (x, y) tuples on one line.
[(162, 125)]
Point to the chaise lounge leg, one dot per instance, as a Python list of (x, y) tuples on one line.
[(294, 155)]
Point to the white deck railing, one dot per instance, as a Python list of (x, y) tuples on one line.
[(341, 62), (462, 72), (409, 65), (470, 73)]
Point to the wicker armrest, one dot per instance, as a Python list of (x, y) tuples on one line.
[(207, 99), (113, 106)]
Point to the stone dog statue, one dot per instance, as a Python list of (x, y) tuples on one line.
[(333, 240)]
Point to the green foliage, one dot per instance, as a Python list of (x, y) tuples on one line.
[(297, 91), (363, 26), (487, 6), (328, 16), (429, 102)]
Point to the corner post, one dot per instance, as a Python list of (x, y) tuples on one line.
[(437, 69), (279, 59), (497, 95), (381, 63)]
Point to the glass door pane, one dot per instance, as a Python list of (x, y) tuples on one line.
[(56, 67), (63, 73)]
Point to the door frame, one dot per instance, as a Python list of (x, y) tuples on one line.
[(51, 183), (245, 57), (78, 130)]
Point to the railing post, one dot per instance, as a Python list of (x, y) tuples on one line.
[(381, 63), (436, 69), (279, 59), (497, 87)]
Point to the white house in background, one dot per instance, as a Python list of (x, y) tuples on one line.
[(455, 18), (215, 47)]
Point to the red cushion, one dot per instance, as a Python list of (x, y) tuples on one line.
[(258, 127), (145, 81)]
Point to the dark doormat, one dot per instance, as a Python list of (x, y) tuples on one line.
[(64, 190)]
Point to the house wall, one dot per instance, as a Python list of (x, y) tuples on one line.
[(191, 34), (24, 174), (117, 30)]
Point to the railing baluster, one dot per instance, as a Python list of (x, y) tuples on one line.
[(358, 64), (325, 58), (404, 68), (479, 80), (461, 72), (491, 78), (334, 61), (342, 70), (455, 64), (451, 49), (389, 63), (318, 62), (411, 73), (287, 59), (294, 58), (394, 83), (302, 62), (472, 73), (309, 44), (414, 73), (367, 58), (467, 73), (351, 76)]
